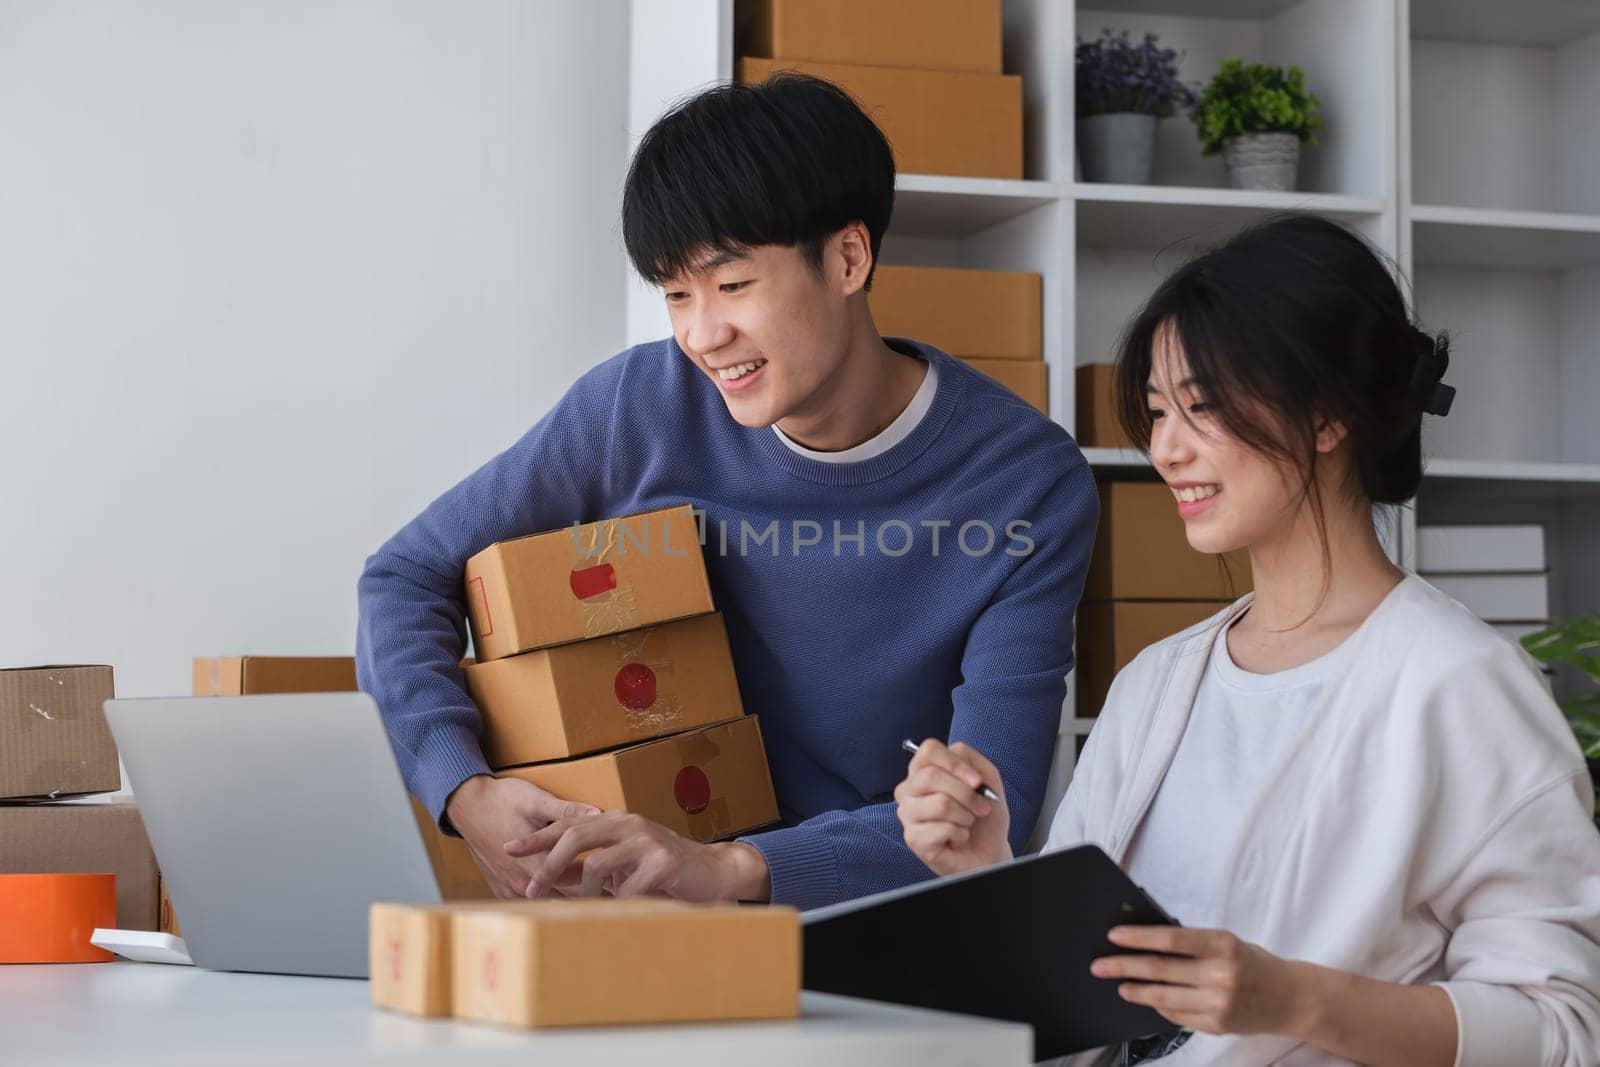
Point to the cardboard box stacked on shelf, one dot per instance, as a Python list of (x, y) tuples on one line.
[(990, 319), (927, 71), (586, 963), (604, 675), (1145, 583), (1499, 573), (55, 749), (1096, 425)]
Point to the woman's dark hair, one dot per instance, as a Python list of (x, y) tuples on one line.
[(790, 162), (1288, 325)]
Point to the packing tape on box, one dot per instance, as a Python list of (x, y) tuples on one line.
[(692, 788), (636, 681), (49, 918), (606, 606)]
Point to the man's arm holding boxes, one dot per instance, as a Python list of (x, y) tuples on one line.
[(412, 630), (1014, 669)]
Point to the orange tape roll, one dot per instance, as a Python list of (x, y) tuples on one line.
[(49, 918)]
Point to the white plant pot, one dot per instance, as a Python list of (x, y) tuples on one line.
[(1267, 161)]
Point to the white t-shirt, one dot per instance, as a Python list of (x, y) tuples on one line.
[(1239, 730), (884, 439)]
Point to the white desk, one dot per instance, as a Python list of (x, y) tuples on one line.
[(141, 1013)]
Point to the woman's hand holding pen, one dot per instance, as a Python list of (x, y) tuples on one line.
[(948, 823)]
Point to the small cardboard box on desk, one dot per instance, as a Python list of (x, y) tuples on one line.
[(586, 963)]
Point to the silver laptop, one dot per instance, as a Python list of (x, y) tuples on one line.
[(276, 821)]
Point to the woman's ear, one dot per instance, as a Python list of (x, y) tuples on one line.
[(853, 257), (1330, 435)]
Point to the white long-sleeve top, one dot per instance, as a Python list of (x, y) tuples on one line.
[(1430, 824)]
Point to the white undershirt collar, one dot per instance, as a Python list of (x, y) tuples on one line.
[(885, 439)]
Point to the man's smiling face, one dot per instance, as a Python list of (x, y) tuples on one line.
[(764, 325)]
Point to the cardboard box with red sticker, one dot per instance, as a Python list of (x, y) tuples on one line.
[(707, 784), (611, 691), (586, 581)]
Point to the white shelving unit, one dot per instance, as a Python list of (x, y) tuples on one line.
[(1500, 160), (1462, 137)]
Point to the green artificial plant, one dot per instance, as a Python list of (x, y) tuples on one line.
[(1255, 98), (1577, 644)]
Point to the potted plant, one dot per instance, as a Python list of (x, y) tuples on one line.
[(1257, 116), (1123, 91), (1577, 644)]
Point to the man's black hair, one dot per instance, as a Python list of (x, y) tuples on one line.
[(790, 162)]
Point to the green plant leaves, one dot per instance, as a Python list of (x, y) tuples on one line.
[(1255, 98)]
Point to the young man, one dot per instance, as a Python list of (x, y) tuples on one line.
[(897, 543)]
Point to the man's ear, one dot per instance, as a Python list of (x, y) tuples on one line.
[(852, 258)]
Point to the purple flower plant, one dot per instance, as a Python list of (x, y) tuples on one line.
[(1115, 75)]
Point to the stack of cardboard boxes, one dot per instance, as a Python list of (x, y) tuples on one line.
[(586, 963), (604, 675), (929, 74), (927, 71), (1145, 583), (55, 745), (991, 319)]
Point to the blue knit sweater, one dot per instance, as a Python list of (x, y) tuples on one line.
[(850, 628)]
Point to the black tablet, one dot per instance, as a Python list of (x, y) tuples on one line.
[(1008, 942)]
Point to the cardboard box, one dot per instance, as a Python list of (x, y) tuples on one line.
[(611, 691), (408, 958), (166, 918), (1498, 597), (226, 676), (922, 34), (577, 583), (85, 838), (936, 122), (706, 784), (980, 314), (1111, 633), (1030, 381), (1480, 549), (1142, 552), (1097, 425), (609, 962), (453, 866), (54, 739)]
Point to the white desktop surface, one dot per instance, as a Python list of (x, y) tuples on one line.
[(145, 1013)]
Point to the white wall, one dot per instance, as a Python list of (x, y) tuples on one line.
[(272, 276)]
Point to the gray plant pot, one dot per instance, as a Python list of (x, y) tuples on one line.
[(1118, 148), (1262, 161)]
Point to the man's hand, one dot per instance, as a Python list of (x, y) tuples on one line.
[(487, 812), (949, 826), (628, 855)]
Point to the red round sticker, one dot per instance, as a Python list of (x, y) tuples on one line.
[(636, 686), (692, 789), (588, 582)]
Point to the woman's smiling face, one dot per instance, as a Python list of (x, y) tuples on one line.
[(1230, 496)]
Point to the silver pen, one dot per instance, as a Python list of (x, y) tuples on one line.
[(983, 791)]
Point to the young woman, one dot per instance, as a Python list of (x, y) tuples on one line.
[(1359, 800)]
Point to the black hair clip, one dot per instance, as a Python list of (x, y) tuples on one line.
[(1440, 399)]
